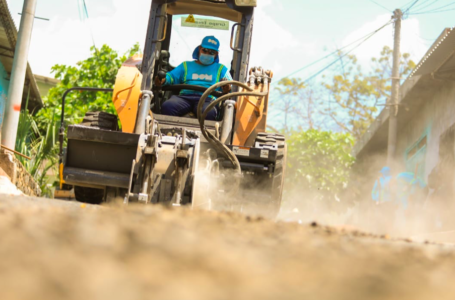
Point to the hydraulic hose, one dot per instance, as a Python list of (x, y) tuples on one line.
[(218, 145), (227, 96)]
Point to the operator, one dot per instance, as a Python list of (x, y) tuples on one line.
[(382, 187), (204, 71)]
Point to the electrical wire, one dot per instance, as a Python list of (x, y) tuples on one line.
[(422, 6), (79, 10), (82, 7), (434, 10), (406, 5), (414, 3), (332, 53), (362, 40), (405, 12), (380, 5), (345, 54)]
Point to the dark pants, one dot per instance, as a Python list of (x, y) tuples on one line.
[(183, 104)]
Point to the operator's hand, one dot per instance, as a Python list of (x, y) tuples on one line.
[(159, 82), (225, 88)]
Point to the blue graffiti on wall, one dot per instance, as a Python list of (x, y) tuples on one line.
[(4, 85)]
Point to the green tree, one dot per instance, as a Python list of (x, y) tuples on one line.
[(38, 135), (99, 70), (319, 161), (347, 101), (357, 96)]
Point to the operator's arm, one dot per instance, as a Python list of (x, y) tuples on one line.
[(176, 76), (225, 75)]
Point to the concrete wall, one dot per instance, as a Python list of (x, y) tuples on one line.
[(45, 84), (433, 118)]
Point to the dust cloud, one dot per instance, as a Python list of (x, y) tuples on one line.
[(425, 217)]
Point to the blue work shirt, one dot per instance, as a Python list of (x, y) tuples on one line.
[(409, 186), (381, 190), (190, 72)]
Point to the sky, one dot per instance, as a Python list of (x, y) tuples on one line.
[(287, 35)]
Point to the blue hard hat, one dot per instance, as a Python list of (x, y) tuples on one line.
[(209, 42)]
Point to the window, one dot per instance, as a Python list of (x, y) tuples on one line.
[(422, 143), (187, 36), (416, 156)]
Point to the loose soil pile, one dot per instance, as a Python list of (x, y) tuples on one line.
[(60, 250)]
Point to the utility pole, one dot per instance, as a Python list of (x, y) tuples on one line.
[(393, 102), (17, 80)]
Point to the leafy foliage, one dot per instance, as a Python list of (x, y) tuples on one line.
[(319, 160), (357, 95), (347, 101), (99, 70), (40, 147), (37, 136)]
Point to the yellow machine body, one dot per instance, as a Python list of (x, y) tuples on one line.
[(127, 92), (251, 116)]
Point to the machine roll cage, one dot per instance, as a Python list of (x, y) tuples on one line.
[(160, 26), (159, 34)]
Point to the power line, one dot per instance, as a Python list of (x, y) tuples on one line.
[(81, 17), (414, 3), (380, 5), (334, 52), (345, 54), (39, 18), (406, 5), (422, 6), (434, 10), (362, 39), (82, 7), (406, 11)]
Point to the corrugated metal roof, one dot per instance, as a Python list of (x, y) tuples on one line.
[(440, 54), (8, 38)]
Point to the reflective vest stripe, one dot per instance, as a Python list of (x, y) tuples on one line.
[(186, 71), (169, 77), (219, 73)]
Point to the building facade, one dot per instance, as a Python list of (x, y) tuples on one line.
[(426, 120)]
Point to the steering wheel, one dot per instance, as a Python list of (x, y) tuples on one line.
[(198, 88)]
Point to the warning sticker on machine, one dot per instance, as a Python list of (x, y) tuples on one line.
[(204, 23), (241, 151), (265, 153)]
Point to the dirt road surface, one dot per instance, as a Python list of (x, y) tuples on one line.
[(60, 250)]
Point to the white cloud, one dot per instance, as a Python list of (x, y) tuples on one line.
[(66, 41), (269, 37), (410, 39)]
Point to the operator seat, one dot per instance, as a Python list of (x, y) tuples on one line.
[(163, 62)]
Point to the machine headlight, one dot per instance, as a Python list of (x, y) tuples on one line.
[(246, 2)]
